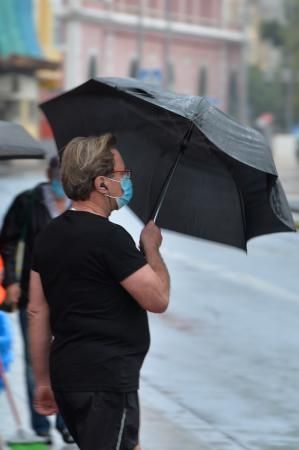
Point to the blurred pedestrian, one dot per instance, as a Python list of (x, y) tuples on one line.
[(28, 214), (90, 289), (265, 125)]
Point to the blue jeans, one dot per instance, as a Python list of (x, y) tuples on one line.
[(39, 423)]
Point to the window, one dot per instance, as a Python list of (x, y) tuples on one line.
[(134, 68), (203, 82), (170, 76), (153, 4), (132, 6), (206, 8), (233, 103), (92, 67), (189, 7), (15, 83), (58, 32), (175, 8), (32, 111), (11, 110)]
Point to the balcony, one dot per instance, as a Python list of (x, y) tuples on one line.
[(232, 22)]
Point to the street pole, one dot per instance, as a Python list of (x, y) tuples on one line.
[(166, 45), (106, 57), (140, 35), (244, 114), (72, 71), (290, 90)]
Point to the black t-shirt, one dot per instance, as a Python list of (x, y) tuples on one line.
[(101, 334)]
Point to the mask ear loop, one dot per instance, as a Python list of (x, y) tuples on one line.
[(112, 179), (112, 196)]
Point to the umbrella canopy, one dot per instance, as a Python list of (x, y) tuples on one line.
[(16, 143), (216, 178)]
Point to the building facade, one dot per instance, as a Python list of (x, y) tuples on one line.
[(191, 46)]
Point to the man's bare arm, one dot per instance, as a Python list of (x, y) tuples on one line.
[(40, 336), (150, 285)]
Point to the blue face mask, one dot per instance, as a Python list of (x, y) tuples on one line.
[(57, 188), (127, 188)]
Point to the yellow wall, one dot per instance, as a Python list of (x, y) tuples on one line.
[(45, 28), (26, 118), (48, 79)]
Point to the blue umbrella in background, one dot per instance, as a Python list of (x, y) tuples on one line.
[(5, 343)]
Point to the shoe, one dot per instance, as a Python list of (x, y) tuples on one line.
[(46, 436), (66, 436)]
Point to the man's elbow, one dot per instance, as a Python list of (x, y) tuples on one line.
[(34, 311), (160, 305)]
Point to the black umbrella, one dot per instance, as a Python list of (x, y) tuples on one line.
[(16, 143), (196, 170)]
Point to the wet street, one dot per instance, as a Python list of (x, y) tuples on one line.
[(222, 373)]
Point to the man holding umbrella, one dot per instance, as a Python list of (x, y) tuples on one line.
[(90, 289)]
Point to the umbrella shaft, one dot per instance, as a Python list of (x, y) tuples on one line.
[(167, 182), (166, 186)]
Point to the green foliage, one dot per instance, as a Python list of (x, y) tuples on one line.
[(291, 49), (265, 96), (272, 95), (291, 8), (291, 32)]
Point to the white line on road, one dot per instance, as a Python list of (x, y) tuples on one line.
[(239, 278)]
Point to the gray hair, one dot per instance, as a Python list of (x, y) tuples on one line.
[(83, 159)]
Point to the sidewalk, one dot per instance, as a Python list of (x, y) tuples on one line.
[(158, 432)]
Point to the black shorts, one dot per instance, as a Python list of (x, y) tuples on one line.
[(101, 420)]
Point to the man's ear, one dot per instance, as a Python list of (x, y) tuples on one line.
[(100, 184)]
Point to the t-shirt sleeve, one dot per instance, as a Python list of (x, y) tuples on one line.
[(121, 254)]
